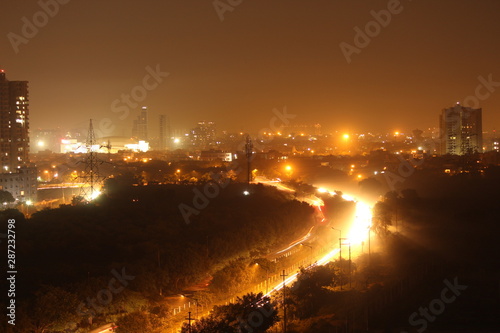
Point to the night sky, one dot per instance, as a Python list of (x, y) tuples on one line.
[(263, 55)]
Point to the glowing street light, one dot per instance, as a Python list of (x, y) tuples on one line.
[(95, 194), (288, 171), (346, 136)]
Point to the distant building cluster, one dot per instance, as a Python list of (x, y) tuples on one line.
[(459, 133)]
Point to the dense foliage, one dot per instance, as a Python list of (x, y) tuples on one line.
[(116, 257)]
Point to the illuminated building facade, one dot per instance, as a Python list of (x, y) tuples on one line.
[(203, 136), (17, 176), (164, 132), (495, 145), (14, 114), (140, 129), (115, 144), (461, 130), (22, 183)]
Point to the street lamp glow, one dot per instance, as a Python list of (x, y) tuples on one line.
[(346, 136), (361, 224), (288, 168), (95, 194)]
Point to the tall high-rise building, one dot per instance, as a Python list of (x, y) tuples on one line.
[(16, 175), (461, 130), (14, 125), (164, 132), (140, 129)]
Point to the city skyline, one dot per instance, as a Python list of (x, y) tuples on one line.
[(313, 60)]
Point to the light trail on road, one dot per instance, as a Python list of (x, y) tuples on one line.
[(358, 232), (297, 242)]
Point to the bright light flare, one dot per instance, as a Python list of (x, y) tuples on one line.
[(95, 194), (361, 224)]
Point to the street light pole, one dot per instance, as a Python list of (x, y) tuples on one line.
[(349, 244), (310, 257), (189, 321), (284, 275), (196, 302), (369, 245), (350, 271), (340, 237), (340, 254), (267, 276)]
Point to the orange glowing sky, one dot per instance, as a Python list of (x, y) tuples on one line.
[(264, 55)]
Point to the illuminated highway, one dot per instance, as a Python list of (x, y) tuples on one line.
[(357, 234)]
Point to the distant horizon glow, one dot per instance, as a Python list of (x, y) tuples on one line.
[(219, 67)]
